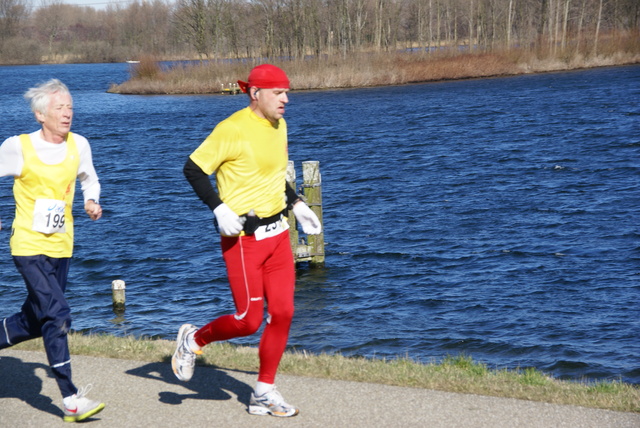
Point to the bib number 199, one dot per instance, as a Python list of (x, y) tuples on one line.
[(48, 216), (55, 221)]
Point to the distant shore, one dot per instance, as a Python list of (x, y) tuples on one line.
[(357, 71)]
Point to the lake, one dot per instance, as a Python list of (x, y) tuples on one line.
[(493, 218)]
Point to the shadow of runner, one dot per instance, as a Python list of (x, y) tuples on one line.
[(19, 380), (208, 383)]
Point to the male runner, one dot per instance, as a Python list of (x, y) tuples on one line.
[(248, 154)]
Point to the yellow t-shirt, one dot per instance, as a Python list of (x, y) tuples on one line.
[(42, 181), (249, 156)]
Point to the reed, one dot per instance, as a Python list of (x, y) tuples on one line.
[(453, 374), (378, 69), (147, 69)]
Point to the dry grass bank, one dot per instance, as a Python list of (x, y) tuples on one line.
[(367, 70), (453, 374)]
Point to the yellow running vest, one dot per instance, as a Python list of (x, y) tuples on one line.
[(249, 156), (49, 183)]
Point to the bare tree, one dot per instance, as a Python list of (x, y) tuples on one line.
[(52, 18), (508, 24), (597, 33), (190, 19), (379, 23), (12, 13)]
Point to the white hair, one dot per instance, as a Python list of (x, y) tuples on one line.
[(40, 96)]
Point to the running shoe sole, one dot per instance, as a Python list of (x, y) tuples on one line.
[(78, 418)]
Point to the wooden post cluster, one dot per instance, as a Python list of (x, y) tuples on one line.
[(310, 249)]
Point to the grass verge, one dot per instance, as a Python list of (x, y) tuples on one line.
[(454, 374)]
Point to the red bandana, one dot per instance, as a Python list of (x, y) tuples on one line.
[(265, 76)]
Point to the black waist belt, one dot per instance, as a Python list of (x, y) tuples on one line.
[(272, 219), (252, 222)]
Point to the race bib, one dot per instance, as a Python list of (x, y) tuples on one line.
[(269, 230), (48, 216)]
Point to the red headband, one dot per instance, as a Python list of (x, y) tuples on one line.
[(265, 76)]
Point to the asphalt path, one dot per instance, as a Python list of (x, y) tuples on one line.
[(142, 394)]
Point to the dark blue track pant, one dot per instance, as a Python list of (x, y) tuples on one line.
[(45, 313)]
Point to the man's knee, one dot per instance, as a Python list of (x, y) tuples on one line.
[(57, 327), (251, 324), (280, 315)]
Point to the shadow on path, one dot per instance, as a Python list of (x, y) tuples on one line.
[(19, 380), (208, 383)]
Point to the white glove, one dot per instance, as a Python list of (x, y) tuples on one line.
[(228, 222), (307, 219)]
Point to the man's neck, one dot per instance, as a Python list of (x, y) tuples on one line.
[(52, 138)]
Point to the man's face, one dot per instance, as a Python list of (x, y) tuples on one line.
[(270, 103), (56, 122)]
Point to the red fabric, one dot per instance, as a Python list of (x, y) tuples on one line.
[(259, 272), (265, 76)]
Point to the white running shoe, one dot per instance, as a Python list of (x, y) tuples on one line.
[(271, 403), (79, 407), (184, 359)]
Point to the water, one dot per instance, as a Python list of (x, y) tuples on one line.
[(493, 218)]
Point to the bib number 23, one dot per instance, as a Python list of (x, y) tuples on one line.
[(48, 216), (269, 230)]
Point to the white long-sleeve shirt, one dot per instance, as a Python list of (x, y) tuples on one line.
[(12, 161)]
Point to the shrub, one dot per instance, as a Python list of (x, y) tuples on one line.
[(19, 50)]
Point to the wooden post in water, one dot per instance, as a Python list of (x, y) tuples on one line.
[(312, 188), (118, 295), (313, 250)]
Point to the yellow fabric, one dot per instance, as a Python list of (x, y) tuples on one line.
[(249, 156), (41, 181)]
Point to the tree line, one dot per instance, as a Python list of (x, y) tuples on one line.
[(222, 29)]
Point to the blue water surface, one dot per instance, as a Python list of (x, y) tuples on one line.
[(494, 218)]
